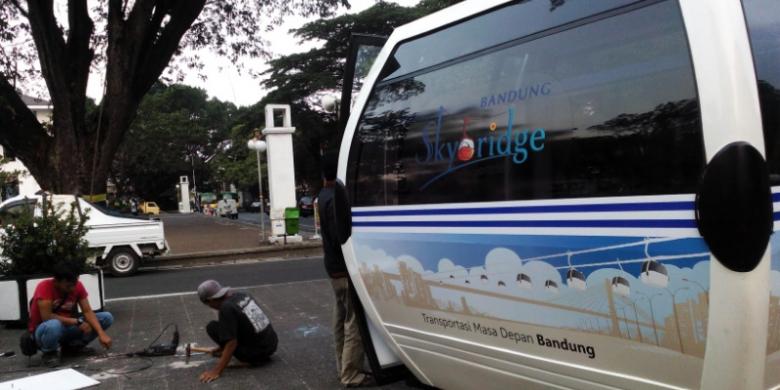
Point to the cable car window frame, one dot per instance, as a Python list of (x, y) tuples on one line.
[(356, 146)]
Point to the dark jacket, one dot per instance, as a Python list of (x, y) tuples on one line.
[(334, 259)]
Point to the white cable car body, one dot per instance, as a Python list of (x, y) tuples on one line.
[(576, 280), (590, 127), (621, 286)]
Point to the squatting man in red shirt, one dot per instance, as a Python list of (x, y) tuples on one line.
[(54, 321)]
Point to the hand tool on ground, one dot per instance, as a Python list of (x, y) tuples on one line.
[(162, 349), (191, 350)]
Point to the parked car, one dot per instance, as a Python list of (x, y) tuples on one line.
[(306, 206), (227, 208), (149, 208), (123, 242), (254, 207)]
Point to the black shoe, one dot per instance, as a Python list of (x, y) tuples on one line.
[(50, 359)]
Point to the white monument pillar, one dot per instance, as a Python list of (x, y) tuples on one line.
[(184, 195), (281, 169)]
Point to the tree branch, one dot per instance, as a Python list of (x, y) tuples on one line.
[(79, 53), (19, 8), (156, 59), (22, 135), (51, 48)]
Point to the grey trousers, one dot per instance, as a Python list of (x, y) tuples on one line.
[(349, 346)]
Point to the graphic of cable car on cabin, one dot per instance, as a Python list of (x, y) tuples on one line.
[(524, 281), (653, 272), (574, 278)]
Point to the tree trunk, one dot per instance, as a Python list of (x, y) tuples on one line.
[(74, 157)]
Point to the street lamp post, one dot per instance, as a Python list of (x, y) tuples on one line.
[(652, 313), (194, 182), (676, 318), (258, 145), (703, 290), (638, 327)]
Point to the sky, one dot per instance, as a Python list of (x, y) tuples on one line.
[(224, 82)]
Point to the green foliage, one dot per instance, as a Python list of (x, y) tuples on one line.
[(299, 79), (177, 122), (34, 244), (177, 129), (303, 74)]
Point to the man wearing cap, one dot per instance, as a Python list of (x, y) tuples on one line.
[(243, 330)]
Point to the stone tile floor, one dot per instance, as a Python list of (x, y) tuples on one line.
[(299, 311)]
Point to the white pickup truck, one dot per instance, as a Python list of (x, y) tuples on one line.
[(122, 241)]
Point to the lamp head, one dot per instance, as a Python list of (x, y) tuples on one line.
[(257, 144), (330, 103)]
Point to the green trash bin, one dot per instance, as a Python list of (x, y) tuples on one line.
[(291, 217)]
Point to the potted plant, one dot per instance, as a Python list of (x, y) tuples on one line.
[(32, 242)]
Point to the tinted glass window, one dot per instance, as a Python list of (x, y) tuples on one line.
[(12, 213), (604, 109), (763, 19), (510, 22)]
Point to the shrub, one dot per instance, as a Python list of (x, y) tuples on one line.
[(34, 244)]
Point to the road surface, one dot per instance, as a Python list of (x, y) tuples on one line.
[(158, 282)]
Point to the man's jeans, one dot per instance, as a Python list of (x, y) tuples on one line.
[(52, 334)]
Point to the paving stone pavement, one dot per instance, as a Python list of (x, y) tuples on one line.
[(300, 313), (193, 233)]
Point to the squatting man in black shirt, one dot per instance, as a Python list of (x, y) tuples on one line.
[(243, 330)]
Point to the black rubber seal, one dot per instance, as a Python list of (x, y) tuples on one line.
[(734, 206), (343, 212)]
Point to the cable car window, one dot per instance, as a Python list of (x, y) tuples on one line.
[(603, 109), (513, 21), (763, 20)]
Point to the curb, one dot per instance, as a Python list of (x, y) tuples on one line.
[(295, 250), (240, 252)]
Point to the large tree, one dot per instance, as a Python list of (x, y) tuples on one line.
[(302, 75), (178, 129), (300, 79), (133, 42)]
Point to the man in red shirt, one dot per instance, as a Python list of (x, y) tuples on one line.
[(55, 322)]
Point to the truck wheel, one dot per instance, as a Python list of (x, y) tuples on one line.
[(123, 262)]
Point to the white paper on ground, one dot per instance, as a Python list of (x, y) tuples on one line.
[(68, 379)]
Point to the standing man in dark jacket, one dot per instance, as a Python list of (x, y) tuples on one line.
[(349, 346)]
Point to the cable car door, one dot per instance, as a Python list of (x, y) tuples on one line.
[(363, 50)]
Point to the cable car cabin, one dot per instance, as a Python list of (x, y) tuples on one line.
[(576, 280), (551, 286), (622, 153), (524, 282), (654, 273), (621, 286)]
